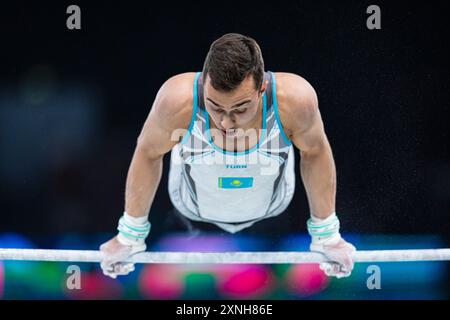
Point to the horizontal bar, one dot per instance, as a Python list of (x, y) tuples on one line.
[(267, 257)]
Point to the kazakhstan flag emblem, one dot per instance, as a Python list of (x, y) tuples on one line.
[(235, 182)]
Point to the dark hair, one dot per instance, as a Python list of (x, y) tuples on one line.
[(230, 59)]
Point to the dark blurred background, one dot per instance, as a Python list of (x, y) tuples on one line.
[(72, 104)]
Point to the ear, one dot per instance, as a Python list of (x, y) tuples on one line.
[(264, 87)]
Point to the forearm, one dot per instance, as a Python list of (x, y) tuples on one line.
[(319, 178), (143, 180)]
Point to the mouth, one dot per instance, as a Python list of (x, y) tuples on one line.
[(230, 133)]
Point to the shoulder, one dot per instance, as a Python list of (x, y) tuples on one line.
[(171, 110), (174, 101), (297, 102)]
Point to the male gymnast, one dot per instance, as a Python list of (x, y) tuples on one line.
[(231, 130)]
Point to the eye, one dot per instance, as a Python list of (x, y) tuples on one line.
[(240, 111), (213, 108)]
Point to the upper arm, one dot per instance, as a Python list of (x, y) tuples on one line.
[(169, 116), (302, 115)]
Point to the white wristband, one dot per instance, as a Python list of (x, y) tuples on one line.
[(324, 231), (133, 230)]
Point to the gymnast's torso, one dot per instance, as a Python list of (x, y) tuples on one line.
[(232, 188)]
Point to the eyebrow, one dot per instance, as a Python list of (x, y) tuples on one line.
[(233, 107)]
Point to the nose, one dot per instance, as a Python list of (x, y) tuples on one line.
[(227, 123)]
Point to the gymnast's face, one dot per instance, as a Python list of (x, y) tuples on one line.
[(237, 109)]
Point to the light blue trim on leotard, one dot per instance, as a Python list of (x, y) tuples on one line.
[(193, 158), (275, 108), (194, 111)]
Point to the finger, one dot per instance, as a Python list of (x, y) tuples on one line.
[(330, 269), (106, 266), (113, 267), (335, 269), (123, 268), (343, 272), (347, 262), (342, 257), (343, 275), (126, 269), (110, 259), (108, 263), (130, 267), (109, 274), (324, 266)]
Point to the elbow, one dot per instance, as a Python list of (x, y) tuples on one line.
[(317, 150), (141, 146)]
